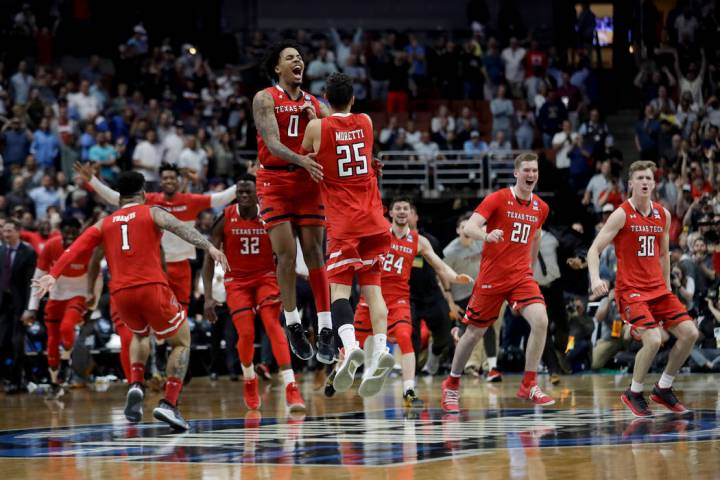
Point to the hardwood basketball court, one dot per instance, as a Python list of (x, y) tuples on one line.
[(587, 434)]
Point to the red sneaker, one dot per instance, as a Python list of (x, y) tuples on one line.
[(493, 375), (666, 397), (450, 398), (250, 394), (293, 398), (636, 403), (535, 395)]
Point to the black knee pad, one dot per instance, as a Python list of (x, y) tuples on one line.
[(342, 313)]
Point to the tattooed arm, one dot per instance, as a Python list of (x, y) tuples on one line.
[(266, 123), (168, 221)]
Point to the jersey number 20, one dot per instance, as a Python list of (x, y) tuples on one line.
[(348, 157), (520, 232)]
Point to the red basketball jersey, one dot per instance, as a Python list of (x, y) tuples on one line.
[(350, 193), (52, 251), (291, 122), (132, 247), (637, 247), (505, 263), (247, 246), (397, 266)]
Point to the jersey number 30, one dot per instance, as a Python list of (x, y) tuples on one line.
[(647, 246), (348, 157)]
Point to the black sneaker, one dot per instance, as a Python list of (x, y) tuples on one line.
[(134, 403), (326, 346), (329, 388), (666, 397), (299, 343), (55, 392), (170, 415), (411, 400), (636, 403)]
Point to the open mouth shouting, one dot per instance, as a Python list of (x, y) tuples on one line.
[(297, 71)]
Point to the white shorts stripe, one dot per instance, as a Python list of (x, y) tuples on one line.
[(175, 326), (342, 263)]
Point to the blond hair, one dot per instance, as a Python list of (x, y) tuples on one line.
[(638, 165), (525, 157)]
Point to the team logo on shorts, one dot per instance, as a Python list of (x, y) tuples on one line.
[(371, 438)]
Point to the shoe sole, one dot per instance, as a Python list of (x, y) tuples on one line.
[(627, 403), (345, 375), (292, 347), (162, 415), (324, 359), (660, 401), (133, 406), (296, 407), (372, 384), (494, 379)]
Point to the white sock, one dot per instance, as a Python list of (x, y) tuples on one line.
[(324, 321), (379, 343), (291, 318), (408, 385), (492, 362), (347, 335), (636, 387), (288, 376), (248, 372), (666, 381)]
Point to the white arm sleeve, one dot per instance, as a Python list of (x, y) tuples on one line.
[(221, 199), (34, 301), (108, 195)]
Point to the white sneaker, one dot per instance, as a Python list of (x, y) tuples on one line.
[(170, 415), (376, 371), (345, 375), (134, 403)]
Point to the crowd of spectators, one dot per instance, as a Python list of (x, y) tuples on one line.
[(158, 101)]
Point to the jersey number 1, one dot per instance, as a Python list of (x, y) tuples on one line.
[(346, 157), (124, 233)]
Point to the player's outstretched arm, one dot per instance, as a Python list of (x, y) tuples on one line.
[(93, 275), (447, 275), (665, 250), (221, 199), (168, 221), (208, 270), (606, 235), (476, 228), (86, 242), (311, 139), (107, 194)]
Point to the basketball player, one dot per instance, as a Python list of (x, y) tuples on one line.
[(639, 230), (131, 239), (289, 195), (405, 245), (251, 286), (513, 217), (358, 234), (66, 307), (184, 206)]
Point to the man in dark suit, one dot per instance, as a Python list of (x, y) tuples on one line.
[(17, 265)]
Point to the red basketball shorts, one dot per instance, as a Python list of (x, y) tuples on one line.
[(55, 309), (289, 197), (483, 309), (664, 310), (399, 324), (149, 308), (363, 255), (251, 294), (180, 280)]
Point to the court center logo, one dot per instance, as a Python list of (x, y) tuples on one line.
[(373, 438)]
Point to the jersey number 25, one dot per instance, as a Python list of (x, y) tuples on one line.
[(350, 160)]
